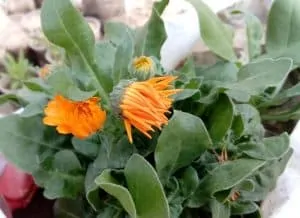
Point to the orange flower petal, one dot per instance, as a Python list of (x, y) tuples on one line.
[(78, 118), (144, 105)]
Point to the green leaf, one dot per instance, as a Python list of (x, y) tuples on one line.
[(123, 37), (283, 28), (93, 171), (64, 26), (213, 32), (246, 185), (238, 126), (146, 189), (62, 83), (254, 78), (112, 154), (105, 54), (150, 38), (25, 140), (88, 147), (188, 68), (61, 175), (251, 121), (183, 140), (255, 33), (36, 85), (188, 181), (185, 94), (265, 179), (220, 118), (5, 98), (219, 210), (28, 96), (33, 109), (112, 187), (225, 72), (272, 148), (242, 208), (224, 177)]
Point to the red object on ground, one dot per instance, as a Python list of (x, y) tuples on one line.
[(16, 187)]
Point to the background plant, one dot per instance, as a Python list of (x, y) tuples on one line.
[(17, 69)]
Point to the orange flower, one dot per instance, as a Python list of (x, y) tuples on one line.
[(78, 118), (144, 105)]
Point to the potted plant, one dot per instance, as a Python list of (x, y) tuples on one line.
[(110, 133)]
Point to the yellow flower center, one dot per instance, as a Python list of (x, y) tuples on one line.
[(143, 63)]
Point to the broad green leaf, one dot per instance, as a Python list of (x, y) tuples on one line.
[(105, 54), (245, 185), (146, 189), (37, 85), (238, 126), (188, 68), (88, 147), (224, 72), (271, 148), (25, 140), (255, 33), (238, 95), (251, 121), (34, 109), (183, 140), (5, 98), (213, 32), (254, 78), (62, 83), (188, 181), (150, 37), (185, 94), (193, 83), (64, 26), (283, 29), (220, 118), (112, 154), (61, 175), (243, 208), (219, 210), (112, 187), (265, 179), (224, 177), (119, 152), (28, 96), (93, 171), (123, 38)]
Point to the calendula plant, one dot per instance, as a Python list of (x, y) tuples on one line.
[(110, 133)]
